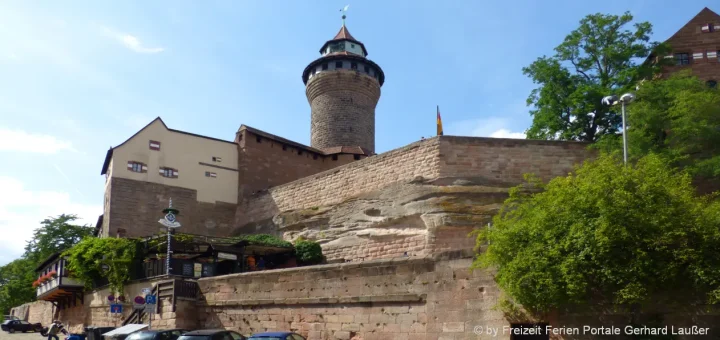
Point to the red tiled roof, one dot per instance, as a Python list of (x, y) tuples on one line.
[(344, 34)]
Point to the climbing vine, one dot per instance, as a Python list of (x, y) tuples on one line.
[(93, 259)]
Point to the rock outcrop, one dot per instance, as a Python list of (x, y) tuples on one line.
[(405, 219)]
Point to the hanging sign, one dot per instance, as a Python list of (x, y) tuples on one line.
[(169, 221), (227, 256)]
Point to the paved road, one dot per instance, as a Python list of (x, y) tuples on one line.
[(24, 336)]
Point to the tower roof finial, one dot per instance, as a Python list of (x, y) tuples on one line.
[(344, 10)]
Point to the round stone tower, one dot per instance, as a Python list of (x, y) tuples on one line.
[(343, 88)]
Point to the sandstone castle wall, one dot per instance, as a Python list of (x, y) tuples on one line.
[(457, 184), (432, 298)]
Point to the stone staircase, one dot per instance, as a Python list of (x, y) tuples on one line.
[(167, 292)]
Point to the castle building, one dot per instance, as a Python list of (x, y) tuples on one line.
[(418, 199), (207, 177), (696, 46)]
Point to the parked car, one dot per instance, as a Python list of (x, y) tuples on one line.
[(165, 334), (276, 336), (12, 326), (212, 334)]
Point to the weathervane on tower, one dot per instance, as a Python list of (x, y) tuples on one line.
[(344, 10)]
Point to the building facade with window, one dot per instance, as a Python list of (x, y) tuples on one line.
[(696, 46), (207, 177)]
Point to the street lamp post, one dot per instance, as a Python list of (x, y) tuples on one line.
[(624, 99), (171, 223)]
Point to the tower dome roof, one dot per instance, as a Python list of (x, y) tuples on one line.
[(343, 35)]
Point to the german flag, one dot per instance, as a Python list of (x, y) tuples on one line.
[(439, 122)]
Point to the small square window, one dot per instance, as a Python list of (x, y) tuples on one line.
[(216, 159), (314, 156), (682, 59), (284, 147), (210, 174), (154, 145), (353, 66), (357, 157), (367, 69), (334, 157), (338, 64), (352, 45), (258, 139), (299, 152), (324, 66), (312, 73)]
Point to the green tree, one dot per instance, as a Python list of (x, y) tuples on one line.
[(55, 235), (16, 280), (597, 59), (606, 233), (678, 117)]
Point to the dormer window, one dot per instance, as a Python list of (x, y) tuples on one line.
[(336, 47)]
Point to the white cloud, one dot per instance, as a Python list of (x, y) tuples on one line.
[(21, 211), (132, 42), (486, 127), (21, 141), (504, 133)]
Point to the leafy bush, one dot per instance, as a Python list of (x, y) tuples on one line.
[(607, 233), (87, 258), (308, 252)]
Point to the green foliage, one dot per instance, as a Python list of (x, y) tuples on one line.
[(264, 240), (86, 260), (308, 252), (160, 240), (678, 118), (16, 280), (55, 235), (595, 60), (606, 234)]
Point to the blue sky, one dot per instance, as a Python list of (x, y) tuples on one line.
[(79, 76)]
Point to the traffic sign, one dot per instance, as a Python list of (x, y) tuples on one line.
[(150, 299), (116, 309), (150, 309)]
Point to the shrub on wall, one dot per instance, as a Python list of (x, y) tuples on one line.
[(308, 252), (608, 233), (265, 240), (93, 259)]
